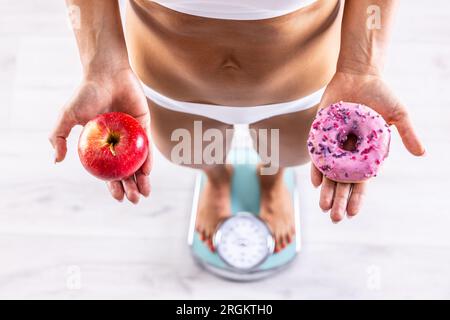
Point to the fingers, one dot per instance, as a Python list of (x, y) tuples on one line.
[(327, 194), (60, 133), (131, 189), (146, 168), (148, 164), (406, 130), (316, 176), (356, 199), (143, 183), (340, 202), (140, 184), (116, 190), (341, 198)]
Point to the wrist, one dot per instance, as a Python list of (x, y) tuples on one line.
[(359, 67), (106, 69), (103, 64), (103, 51)]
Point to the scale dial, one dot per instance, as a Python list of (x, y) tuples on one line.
[(243, 241)]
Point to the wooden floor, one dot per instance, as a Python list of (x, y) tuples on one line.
[(61, 236)]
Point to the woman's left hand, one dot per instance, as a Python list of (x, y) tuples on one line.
[(373, 92)]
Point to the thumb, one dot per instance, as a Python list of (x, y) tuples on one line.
[(406, 130), (329, 96), (61, 131)]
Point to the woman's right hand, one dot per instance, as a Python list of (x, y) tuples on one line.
[(107, 92)]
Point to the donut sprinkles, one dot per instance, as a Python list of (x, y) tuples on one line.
[(348, 142)]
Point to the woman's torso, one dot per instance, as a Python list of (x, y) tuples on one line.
[(234, 62)]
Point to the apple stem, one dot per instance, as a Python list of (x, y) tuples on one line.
[(111, 148), (112, 140)]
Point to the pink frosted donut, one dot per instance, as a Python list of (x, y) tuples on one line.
[(348, 142)]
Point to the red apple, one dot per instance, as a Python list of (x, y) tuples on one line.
[(113, 146)]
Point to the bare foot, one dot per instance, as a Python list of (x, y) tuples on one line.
[(214, 203), (277, 209)]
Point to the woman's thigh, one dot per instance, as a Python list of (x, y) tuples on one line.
[(188, 139), (293, 129)]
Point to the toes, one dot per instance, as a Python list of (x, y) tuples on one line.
[(282, 241), (277, 244), (202, 235), (288, 239), (277, 247), (198, 229), (210, 244), (206, 238)]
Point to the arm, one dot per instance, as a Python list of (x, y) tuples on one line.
[(366, 27), (108, 85), (100, 39)]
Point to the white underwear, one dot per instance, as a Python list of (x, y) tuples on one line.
[(234, 115), (236, 9)]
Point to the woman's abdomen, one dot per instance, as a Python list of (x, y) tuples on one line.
[(229, 62)]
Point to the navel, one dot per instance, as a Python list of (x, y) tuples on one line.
[(230, 63)]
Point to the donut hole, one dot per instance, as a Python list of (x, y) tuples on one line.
[(350, 142)]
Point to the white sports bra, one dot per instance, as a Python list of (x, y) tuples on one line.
[(236, 9)]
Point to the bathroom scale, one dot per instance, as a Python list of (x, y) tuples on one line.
[(244, 245)]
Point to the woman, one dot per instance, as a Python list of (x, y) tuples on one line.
[(222, 62)]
